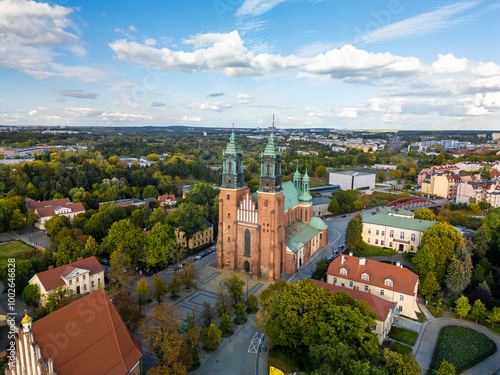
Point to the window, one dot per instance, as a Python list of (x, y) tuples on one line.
[(343, 271), (401, 297), (368, 240), (376, 241), (390, 245), (229, 214), (228, 239), (388, 282), (402, 235), (377, 232), (335, 280), (71, 291), (99, 281), (412, 248), (84, 286), (228, 196), (369, 231), (382, 242), (247, 243), (92, 284), (391, 233), (321, 236), (77, 279), (228, 227), (84, 277), (383, 233), (70, 282), (351, 284), (374, 328), (400, 308), (364, 277), (413, 237), (366, 288), (381, 292)]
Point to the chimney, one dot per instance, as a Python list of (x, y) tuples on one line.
[(350, 253), (362, 261), (401, 266), (398, 263), (343, 259), (50, 267)]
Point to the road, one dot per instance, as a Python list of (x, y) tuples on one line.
[(336, 237)]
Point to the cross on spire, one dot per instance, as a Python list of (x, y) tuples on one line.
[(273, 122)]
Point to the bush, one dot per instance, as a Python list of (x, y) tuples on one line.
[(401, 349), (462, 347)]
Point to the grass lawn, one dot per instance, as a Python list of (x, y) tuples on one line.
[(404, 335), (461, 346), (401, 349), (372, 251), (434, 311), (13, 249), (420, 315)]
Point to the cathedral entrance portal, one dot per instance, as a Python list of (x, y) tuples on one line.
[(247, 266)]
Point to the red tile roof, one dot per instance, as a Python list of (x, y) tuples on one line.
[(404, 279), (32, 204), (87, 336), (379, 306), (164, 198), (49, 210), (52, 278)]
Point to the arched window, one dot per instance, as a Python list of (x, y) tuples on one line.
[(391, 233), (247, 243), (230, 166)]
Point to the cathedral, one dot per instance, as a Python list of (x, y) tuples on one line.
[(272, 231)]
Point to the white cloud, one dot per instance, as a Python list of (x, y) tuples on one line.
[(349, 112), (191, 119), (150, 42), (426, 23), (243, 98), (84, 115), (29, 34), (318, 112), (450, 64), (257, 7), (132, 28)]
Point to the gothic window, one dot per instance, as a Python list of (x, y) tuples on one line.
[(247, 243)]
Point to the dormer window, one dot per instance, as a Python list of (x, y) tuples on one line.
[(388, 282), (343, 271), (365, 277)]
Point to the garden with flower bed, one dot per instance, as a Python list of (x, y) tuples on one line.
[(463, 347)]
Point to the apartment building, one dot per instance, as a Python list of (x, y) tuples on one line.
[(200, 237)]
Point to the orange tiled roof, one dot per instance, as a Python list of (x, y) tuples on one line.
[(404, 279), (164, 198), (51, 279), (87, 336), (32, 204), (49, 210), (377, 305)]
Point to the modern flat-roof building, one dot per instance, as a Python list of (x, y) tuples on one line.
[(352, 180)]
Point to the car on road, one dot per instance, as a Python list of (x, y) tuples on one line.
[(344, 216), (197, 257)]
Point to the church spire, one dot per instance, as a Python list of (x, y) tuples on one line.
[(270, 167), (296, 179), (232, 165), (305, 197)]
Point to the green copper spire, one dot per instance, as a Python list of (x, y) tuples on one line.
[(270, 166), (232, 147), (305, 196), (296, 179), (232, 165)]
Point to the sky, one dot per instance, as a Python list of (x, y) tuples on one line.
[(344, 64)]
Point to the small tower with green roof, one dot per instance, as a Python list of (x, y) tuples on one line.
[(270, 167), (296, 179), (305, 197)]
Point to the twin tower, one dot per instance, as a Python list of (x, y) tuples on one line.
[(269, 232)]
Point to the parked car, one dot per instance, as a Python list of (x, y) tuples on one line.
[(197, 257), (344, 216)]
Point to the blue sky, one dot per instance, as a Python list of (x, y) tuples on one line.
[(392, 64)]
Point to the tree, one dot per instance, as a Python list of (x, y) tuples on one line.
[(268, 294), (176, 254), (127, 308), (187, 275), (120, 267), (68, 250), (125, 236), (475, 208), (321, 171), (98, 225), (442, 239), (334, 206), (462, 306), (207, 314), (161, 289), (240, 313), (493, 315), (234, 287), (353, 232), (54, 298), (152, 157), (160, 244), (210, 337), (150, 192), (458, 276), (429, 286), (31, 217), (252, 304), (31, 295), (188, 218), (55, 225), (17, 220), (397, 364), (174, 287), (143, 292), (478, 311), (424, 262), (161, 337), (480, 240), (226, 324), (91, 247), (319, 272), (424, 214), (223, 304), (446, 368)]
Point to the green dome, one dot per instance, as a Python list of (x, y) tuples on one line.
[(296, 174)]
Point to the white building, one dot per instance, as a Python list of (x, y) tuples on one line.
[(352, 180)]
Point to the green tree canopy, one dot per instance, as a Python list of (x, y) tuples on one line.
[(353, 232), (462, 306), (188, 218), (234, 287), (424, 214), (160, 244), (125, 236)]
